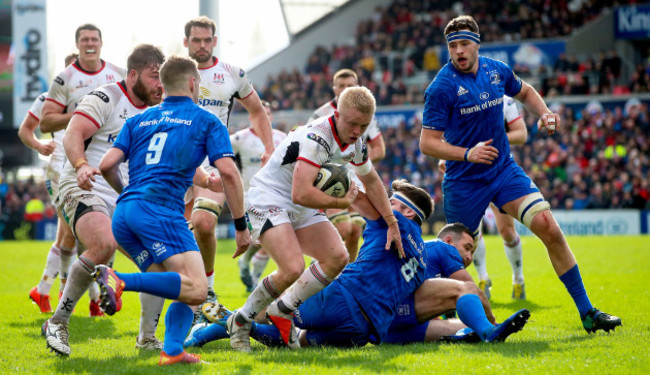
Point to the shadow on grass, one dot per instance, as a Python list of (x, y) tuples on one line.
[(142, 362), (516, 305), (80, 328)]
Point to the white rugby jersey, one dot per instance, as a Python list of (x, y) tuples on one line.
[(74, 82), (316, 143), (107, 107), (249, 148), (327, 109), (510, 110), (57, 157), (221, 83)]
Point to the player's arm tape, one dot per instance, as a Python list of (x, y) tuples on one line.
[(79, 162)]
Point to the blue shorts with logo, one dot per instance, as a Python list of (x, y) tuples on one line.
[(332, 317), (405, 328), (465, 201), (151, 233)]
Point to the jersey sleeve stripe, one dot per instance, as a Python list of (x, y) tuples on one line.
[(308, 161), (377, 136), (88, 117), (518, 117), (247, 95), (52, 100), (359, 164), (33, 115)]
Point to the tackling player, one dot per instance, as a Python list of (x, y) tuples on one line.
[(164, 146), (64, 241), (348, 222), (88, 201), (464, 103), (285, 210), (248, 149), (221, 84)]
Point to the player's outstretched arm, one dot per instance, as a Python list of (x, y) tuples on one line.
[(110, 168), (234, 190), (304, 193), (260, 123), (431, 144), (26, 135), (78, 131), (376, 193), (53, 118)]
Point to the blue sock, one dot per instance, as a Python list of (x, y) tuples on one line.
[(470, 311), (267, 334), (212, 332), (573, 283), (177, 322), (161, 284)]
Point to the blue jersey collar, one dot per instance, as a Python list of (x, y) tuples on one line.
[(178, 99)]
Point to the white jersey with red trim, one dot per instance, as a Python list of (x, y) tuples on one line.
[(510, 110), (55, 163), (73, 83), (248, 148), (221, 83), (107, 107), (327, 110), (316, 143)]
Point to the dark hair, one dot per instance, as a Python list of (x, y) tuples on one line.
[(417, 195), (143, 56), (202, 21), (461, 23), (455, 230), (87, 26), (70, 57), (176, 70)]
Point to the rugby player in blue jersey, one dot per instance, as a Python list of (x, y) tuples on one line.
[(164, 146), (464, 104), (360, 304)]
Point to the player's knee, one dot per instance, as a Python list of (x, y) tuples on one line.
[(339, 259), (531, 207), (292, 271), (508, 233), (204, 226)]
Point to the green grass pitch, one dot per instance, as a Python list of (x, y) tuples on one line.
[(615, 271)]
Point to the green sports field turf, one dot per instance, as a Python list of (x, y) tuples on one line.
[(615, 271)]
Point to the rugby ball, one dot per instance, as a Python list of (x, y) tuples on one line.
[(333, 179)]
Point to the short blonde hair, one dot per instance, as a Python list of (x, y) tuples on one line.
[(359, 98), (176, 70), (345, 73)]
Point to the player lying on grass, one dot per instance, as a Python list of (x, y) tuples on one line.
[(164, 146), (360, 304)]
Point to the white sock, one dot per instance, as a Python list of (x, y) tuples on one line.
[(262, 296), (259, 264), (479, 259), (515, 255), (150, 309), (68, 256), (52, 265), (78, 282), (210, 281), (312, 281), (93, 291)]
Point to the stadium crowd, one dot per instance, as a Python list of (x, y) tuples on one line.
[(396, 42)]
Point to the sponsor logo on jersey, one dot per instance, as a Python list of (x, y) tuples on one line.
[(159, 248), (241, 72), (166, 113), (462, 91), (124, 115), (484, 95), (142, 257), (100, 95), (211, 103), (110, 78), (111, 138), (219, 78), (82, 84), (318, 139), (59, 80)]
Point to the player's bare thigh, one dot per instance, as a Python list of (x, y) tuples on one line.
[(281, 243), (505, 224), (321, 242), (94, 230), (437, 296)]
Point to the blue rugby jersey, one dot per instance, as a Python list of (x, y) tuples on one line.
[(468, 108), (165, 144), (379, 280), (442, 259)]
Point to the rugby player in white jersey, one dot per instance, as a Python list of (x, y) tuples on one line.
[(66, 91), (517, 135), (248, 149), (221, 84), (286, 213), (348, 222), (64, 241), (87, 201)]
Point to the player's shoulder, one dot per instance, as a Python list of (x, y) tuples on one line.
[(41, 98), (444, 78), (110, 66), (234, 70), (109, 93), (493, 63), (65, 75)]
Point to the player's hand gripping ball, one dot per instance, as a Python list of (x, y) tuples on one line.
[(333, 179)]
